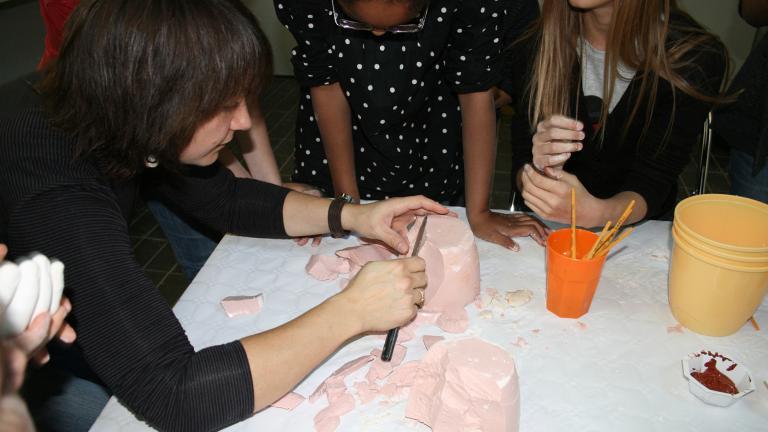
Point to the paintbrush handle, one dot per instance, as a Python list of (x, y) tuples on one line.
[(389, 344)]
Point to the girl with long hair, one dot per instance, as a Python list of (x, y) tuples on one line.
[(616, 92)]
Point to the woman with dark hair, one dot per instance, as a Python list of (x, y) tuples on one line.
[(397, 98), (143, 85), (617, 92)]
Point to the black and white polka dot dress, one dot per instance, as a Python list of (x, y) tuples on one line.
[(402, 91)]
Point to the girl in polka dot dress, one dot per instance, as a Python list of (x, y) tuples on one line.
[(386, 88)]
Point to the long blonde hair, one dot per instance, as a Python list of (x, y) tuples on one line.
[(637, 37)]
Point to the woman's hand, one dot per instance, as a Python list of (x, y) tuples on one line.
[(555, 139), (387, 220), (383, 295), (551, 198), (500, 228)]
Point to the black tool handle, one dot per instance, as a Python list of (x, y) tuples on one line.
[(389, 344)]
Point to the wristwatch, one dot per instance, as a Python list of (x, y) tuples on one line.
[(334, 215)]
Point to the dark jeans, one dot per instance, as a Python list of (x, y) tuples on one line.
[(191, 242), (59, 401), (743, 183)]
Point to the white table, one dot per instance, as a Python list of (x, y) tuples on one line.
[(618, 368)]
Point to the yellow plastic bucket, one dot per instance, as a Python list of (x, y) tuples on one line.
[(712, 295), (727, 222)]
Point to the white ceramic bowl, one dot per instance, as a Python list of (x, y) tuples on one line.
[(740, 376)]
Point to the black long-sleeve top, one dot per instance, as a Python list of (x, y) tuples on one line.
[(62, 206), (647, 164)]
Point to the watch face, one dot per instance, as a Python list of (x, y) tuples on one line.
[(345, 197)]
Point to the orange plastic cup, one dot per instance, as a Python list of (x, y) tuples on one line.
[(571, 283)]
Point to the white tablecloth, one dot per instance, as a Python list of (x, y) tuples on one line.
[(618, 368)]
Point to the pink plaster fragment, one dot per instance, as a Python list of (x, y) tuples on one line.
[(426, 318), (405, 374), (581, 325), (358, 256), (328, 419), (366, 391), (389, 390), (324, 267), (678, 328), (536, 331), (242, 305), (381, 369), (337, 377), (430, 340), (289, 401), (455, 321), (465, 385)]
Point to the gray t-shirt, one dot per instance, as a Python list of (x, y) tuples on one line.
[(592, 78)]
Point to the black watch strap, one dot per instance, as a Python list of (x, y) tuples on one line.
[(334, 215)]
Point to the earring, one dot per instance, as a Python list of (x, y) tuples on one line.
[(151, 161)]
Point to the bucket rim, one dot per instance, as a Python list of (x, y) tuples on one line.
[(709, 259), (758, 258), (703, 198)]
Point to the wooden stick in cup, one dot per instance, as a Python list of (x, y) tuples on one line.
[(607, 248), (619, 223), (573, 223), (600, 239)]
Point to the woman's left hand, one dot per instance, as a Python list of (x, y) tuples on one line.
[(501, 228), (387, 220), (551, 198)]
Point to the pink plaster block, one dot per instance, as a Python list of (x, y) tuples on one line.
[(464, 385), (242, 305)]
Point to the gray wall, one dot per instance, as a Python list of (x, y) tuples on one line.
[(22, 36)]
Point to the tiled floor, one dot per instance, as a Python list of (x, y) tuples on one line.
[(279, 103)]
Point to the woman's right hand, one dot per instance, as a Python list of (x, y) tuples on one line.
[(555, 139), (384, 294)]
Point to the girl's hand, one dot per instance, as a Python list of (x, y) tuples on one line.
[(384, 294), (551, 198), (387, 220), (500, 228), (555, 139)]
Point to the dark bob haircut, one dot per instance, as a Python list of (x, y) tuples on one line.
[(137, 77)]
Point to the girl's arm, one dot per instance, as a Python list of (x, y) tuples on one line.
[(479, 140), (332, 114), (257, 152)]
